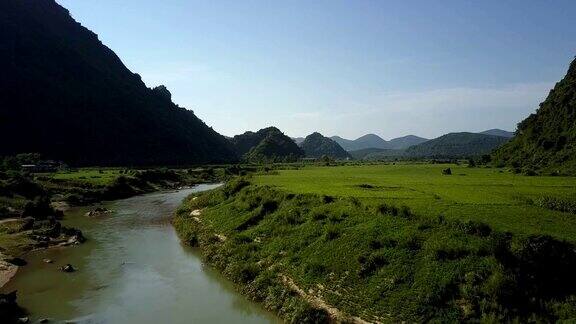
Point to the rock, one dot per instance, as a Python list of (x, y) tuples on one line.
[(98, 211), (67, 268), (17, 262), (447, 171), (10, 312), (44, 320), (47, 260)]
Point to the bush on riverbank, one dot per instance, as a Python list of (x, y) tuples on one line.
[(376, 262)]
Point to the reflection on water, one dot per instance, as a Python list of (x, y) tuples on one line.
[(133, 269)]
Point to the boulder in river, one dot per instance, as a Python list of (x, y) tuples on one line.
[(67, 268), (9, 309), (98, 211)]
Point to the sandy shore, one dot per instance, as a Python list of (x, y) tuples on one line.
[(7, 271)]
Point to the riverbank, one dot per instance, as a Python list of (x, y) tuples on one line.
[(132, 269), (32, 208), (31, 205), (316, 258)]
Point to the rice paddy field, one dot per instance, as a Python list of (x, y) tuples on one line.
[(100, 176), (506, 201)]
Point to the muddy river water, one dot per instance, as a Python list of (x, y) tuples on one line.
[(132, 269)]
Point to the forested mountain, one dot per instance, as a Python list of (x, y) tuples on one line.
[(405, 142), (456, 145), (366, 141), (546, 140), (498, 132), (316, 145), (298, 140), (267, 144), (69, 97), (369, 141)]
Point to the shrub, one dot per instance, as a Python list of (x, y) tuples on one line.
[(476, 228), (370, 263), (332, 233), (386, 209), (309, 314), (559, 204)]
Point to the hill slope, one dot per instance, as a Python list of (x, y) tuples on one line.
[(267, 144), (372, 141), (298, 140), (366, 141), (498, 132), (66, 95), (405, 142), (546, 140), (456, 145), (316, 145)]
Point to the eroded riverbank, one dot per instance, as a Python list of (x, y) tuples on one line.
[(133, 269)]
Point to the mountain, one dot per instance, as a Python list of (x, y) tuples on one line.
[(374, 141), (366, 141), (498, 132), (298, 140), (456, 145), (405, 142), (371, 140), (69, 97), (267, 144), (316, 145), (546, 140), (346, 144)]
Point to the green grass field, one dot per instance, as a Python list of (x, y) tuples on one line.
[(506, 201), (101, 176)]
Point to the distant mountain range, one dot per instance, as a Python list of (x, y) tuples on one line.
[(266, 145), (453, 145), (375, 141), (316, 145), (456, 145), (69, 97), (546, 140), (298, 140), (498, 132)]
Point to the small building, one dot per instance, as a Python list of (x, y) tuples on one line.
[(44, 166)]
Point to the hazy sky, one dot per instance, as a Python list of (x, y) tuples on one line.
[(343, 67)]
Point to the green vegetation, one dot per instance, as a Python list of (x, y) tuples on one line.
[(313, 256), (546, 140), (378, 154), (506, 201), (28, 219), (94, 176), (71, 98), (456, 145), (316, 146), (265, 146)]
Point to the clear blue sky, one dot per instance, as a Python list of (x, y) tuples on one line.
[(343, 67)]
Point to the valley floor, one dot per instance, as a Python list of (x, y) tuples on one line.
[(506, 201), (392, 243)]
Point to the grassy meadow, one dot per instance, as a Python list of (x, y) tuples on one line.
[(312, 254), (506, 201), (99, 177)]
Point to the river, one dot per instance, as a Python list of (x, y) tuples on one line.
[(132, 269)]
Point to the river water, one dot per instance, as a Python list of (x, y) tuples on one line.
[(132, 269)]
